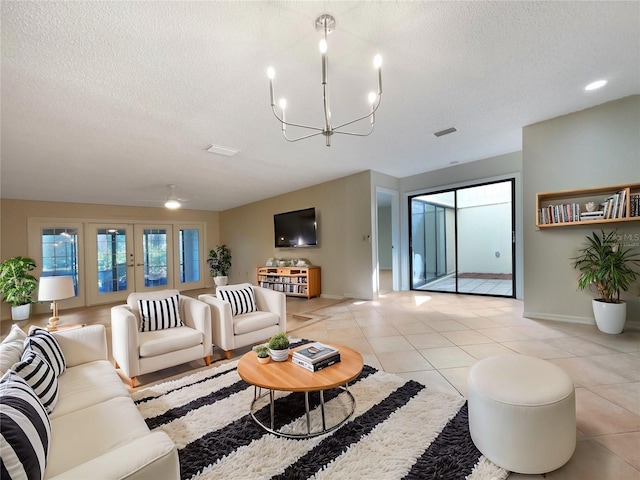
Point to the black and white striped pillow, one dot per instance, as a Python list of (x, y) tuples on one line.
[(40, 376), (25, 430), (159, 314), (241, 300), (45, 345)]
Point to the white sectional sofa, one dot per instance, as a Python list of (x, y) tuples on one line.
[(96, 429)]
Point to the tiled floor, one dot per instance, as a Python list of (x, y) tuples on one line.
[(471, 285), (435, 338)]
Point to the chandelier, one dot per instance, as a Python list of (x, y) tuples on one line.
[(327, 23)]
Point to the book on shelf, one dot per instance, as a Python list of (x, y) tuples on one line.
[(634, 206), (315, 367), (564, 213), (615, 206), (314, 352)]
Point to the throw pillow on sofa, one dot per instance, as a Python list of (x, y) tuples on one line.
[(242, 300), (25, 430), (159, 314), (11, 348), (40, 376), (45, 345)]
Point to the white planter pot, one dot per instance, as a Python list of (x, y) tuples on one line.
[(610, 317), (279, 355), (220, 281), (20, 312)]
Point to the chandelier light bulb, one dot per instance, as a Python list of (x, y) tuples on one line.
[(271, 73), (323, 46), (372, 97), (377, 61), (282, 103)]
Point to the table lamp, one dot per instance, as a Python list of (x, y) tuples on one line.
[(52, 289)]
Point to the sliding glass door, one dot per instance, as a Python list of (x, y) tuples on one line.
[(462, 240)]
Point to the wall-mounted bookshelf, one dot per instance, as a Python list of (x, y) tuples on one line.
[(612, 204), (293, 281)]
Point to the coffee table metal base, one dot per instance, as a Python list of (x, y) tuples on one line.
[(257, 395)]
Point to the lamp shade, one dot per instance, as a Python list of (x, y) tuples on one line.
[(55, 288)]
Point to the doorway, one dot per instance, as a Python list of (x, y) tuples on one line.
[(462, 240), (386, 240)]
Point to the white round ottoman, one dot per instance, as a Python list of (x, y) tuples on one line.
[(522, 413)]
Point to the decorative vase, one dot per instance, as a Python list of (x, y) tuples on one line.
[(279, 355), (21, 312), (220, 280), (264, 359), (610, 317)]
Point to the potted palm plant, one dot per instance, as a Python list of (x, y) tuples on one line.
[(219, 264), (607, 266), (17, 285), (279, 347)]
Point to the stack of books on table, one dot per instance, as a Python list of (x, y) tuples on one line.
[(315, 356)]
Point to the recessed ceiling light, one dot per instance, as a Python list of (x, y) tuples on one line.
[(220, 150), (595, 85)]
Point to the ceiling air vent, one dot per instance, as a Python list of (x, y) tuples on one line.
[(220, 150), (446, 131)]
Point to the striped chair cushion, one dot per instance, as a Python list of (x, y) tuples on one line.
[(40, 376), (241, 300), (159, 314), (45, 345), (25, 430)]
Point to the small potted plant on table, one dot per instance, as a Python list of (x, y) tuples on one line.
[(17, 285), (262, 353), (279, 347), (606, 264)]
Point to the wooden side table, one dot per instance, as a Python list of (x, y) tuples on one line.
[(289, 377)]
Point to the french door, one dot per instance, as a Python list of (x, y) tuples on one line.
[(128, 258), (463, 240)]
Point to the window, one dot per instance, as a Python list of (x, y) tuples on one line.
[(189, 255), (60, 253), (112, 260)]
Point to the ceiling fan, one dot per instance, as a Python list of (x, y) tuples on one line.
[(173, 202)]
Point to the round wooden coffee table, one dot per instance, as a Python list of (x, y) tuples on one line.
[(289, 377)]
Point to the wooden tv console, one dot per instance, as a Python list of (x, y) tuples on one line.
[(293, 281)]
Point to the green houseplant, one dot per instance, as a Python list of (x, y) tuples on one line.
[(17, 285), (262, 353), (219, 264), (279, 347), (607, 265)]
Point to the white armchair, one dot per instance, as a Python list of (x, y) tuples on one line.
[(138, 353), (230, 332)]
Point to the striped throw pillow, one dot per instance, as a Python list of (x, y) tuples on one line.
[(40, 376), (45, 345), (25, 430), (241, 300), (159, 314)]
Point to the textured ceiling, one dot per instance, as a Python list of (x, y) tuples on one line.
[(108, 102)]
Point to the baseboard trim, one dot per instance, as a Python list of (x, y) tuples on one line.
[(332, 297), (559, 318)]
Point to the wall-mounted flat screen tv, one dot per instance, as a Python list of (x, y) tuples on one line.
[(295, 229)]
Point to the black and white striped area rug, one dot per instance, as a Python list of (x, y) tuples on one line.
[(400, 429)]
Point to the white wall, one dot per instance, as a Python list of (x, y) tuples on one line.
[(599, 146), (482, 233), (343, 209)]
